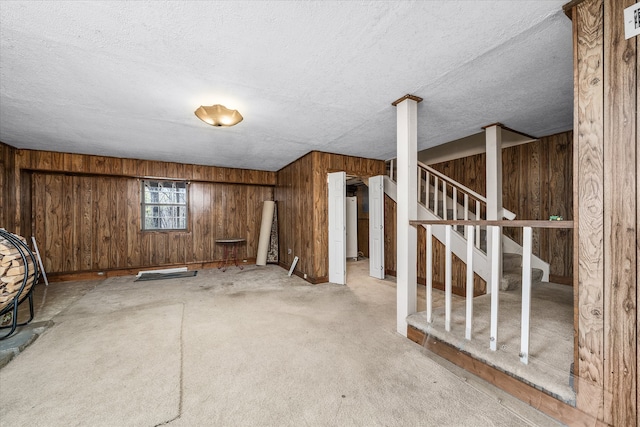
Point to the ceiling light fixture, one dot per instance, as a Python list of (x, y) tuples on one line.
[(218, 115)]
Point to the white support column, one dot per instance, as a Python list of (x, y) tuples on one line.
[(407, 208), (493, 136)]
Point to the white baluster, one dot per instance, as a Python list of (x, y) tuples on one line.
[(455, 203), (447, 279), (435, 195), (495, 287), (427, 190), (429, 273), (477, 226), (466, 214), (444, 199), (469, 316), (419, 185), (526, 294)]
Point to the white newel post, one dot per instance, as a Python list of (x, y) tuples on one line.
[(493, 136), (407, 208)]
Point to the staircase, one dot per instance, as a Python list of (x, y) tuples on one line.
[(512, 273), (440, 197)]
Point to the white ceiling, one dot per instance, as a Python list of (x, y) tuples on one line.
[(124, 78)]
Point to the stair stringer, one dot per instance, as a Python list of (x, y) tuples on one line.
[(458, 243), (481, 264)]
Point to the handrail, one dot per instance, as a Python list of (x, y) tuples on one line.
[(506, 213), (493, 285), (502, 223), (453, 182)]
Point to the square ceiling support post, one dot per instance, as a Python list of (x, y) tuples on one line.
[(407, 208), (493, 135)]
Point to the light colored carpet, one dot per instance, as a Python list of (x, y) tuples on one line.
[(121, 368), (241, 348), (551, 337)]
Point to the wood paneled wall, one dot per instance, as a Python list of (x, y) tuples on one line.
[(363, 220), (294, 196), (301, 194), (89, 223), (7, 187), (607, 184), (537, 183), (85, 211), (100, 165)]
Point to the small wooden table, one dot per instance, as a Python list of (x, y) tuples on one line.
[(230, 247)]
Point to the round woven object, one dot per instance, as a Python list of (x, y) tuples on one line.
[(16, 263)]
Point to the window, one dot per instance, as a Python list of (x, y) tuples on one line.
[(164, 205)]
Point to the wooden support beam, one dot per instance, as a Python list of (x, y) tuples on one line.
[(620, 200), (407, 208)]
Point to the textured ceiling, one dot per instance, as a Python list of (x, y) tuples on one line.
[(124, 78)]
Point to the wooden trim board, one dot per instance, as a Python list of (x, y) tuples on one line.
[(534, 397), (104, 274)]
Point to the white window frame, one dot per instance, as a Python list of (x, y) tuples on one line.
[(171, 202)]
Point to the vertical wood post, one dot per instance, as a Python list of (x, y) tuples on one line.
[(606, 150), (620, 200), (407, 208), (493, 136)]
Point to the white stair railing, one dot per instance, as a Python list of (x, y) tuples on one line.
[(494, 227), (446, 192)]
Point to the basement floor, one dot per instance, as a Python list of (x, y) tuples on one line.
[(243, 347)]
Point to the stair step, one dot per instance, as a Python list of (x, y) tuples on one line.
[(512, 279), (511, 261)]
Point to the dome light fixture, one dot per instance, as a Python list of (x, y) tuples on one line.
[(218, 115)]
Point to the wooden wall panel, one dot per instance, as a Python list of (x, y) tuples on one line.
[(295, 198), (363, 220), (537, 183), (301, 194), (92, 223), (100, 165), (620, 200), (7, 188), (322, 164), (588, 45), (607, 191), (390, 241), (82, 187)]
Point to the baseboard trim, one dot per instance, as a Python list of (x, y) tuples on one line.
[(561, 280), (312, 280), (132, 271)]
